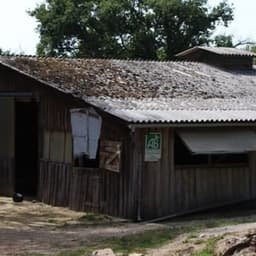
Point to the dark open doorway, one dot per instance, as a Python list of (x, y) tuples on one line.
[(26, 148)]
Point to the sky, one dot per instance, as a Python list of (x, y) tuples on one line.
[(18, 29), (243, 25)]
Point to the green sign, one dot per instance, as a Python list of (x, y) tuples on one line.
[(153, 146)]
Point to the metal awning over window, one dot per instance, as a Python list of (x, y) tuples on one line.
[(219, 142)]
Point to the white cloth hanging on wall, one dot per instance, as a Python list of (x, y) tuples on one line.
[(94, 135), (79, 123), (86, 129)]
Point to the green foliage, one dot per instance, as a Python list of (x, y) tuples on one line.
[(223, 41), (146, 29), (210, 246), (2, 52), (251, 48), (132, 243)]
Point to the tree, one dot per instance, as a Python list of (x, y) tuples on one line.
[(146, 29), (223, 41), (253, 48), (228, 41), (3, 52)]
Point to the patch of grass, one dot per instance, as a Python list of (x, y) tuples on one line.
[(193, 238), (93, 217), (199, 241), (79, 252), (132, 243), (209, 249), (192, 235), (221, 222), (229, 215), (141, 242), (33, 254)]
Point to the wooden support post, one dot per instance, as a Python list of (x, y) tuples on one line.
[(137, 170)]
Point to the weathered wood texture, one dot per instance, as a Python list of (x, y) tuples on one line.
[(110, 155), (84, 189), (158, 179), (95, 190), (206, 187), (167, 189), (81, 189), (6, 177), (149, 189), (54, 183)]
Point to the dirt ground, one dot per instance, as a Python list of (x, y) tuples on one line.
[(234, 240), (31, 228)]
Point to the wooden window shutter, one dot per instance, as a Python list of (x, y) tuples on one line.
[(110, 155)]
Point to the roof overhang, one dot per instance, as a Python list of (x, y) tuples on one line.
[(227, 51), (219, 142)]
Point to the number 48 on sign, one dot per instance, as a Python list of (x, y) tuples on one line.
[(153, 146)]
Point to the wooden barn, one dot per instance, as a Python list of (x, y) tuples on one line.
[(135, 139)]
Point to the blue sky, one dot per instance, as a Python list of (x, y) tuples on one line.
[(18, 34)]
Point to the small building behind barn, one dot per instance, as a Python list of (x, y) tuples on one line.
[(134, 139)]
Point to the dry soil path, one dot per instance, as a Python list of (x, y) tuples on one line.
[(29, 227)]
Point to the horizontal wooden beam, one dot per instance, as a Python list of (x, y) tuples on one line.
[(16, 94)]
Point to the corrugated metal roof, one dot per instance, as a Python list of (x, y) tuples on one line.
[(178, 110), (184, 116), (219, 50), (149, 91)]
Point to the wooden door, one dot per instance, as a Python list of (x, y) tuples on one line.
[(7, 145)]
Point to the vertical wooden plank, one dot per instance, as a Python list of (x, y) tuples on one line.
[(171, 164), (252, 166), (164, 194)]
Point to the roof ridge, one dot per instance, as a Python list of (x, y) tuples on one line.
[(94, 59), (227, 51)]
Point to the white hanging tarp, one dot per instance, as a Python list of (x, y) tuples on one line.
[(94, 135), (86, 128)]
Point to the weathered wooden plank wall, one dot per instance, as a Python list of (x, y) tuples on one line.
[(9, 82), (158, 179), (206, 187), (6, 177), (168, 189), (85, 189), (54, 183), (81, 189), (94, 190)]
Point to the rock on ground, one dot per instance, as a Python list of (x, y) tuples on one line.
[(240, 244), (103, 252)]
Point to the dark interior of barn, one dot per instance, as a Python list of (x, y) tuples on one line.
[(26, 148)]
